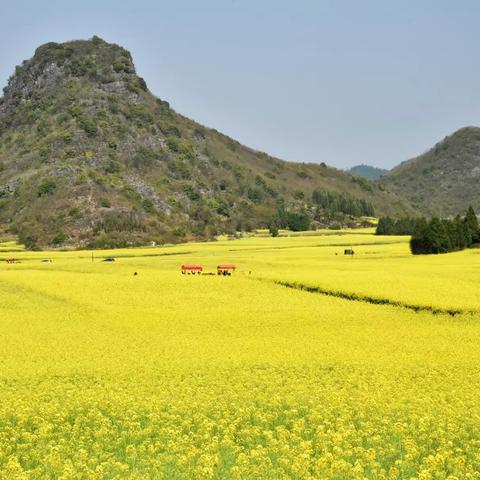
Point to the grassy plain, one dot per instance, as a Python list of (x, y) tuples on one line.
[(105, 374)]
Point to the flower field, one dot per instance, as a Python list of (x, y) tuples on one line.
[(106, 374)]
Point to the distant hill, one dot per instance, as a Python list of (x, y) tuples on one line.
[(367, 171), (443, 181), (89, 157)]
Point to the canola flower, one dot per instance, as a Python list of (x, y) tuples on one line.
[(109, 375)]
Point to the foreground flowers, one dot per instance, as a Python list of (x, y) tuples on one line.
[(109, 375)]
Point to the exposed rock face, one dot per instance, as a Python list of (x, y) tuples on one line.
[(148, 192)]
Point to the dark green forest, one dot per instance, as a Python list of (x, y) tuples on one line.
[(434, 235)]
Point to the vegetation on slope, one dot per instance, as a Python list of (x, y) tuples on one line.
[(443, 181), (89, 157)]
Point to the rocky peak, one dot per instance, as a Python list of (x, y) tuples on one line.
[(107, 65)]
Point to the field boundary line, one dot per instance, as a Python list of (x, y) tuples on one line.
[(374, 300), (87, 256), (285, 247)]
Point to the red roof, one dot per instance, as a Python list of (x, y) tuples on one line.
[(192, 267), (227, 266)]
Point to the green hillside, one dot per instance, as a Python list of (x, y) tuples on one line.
[(90, 157), (443, 181)]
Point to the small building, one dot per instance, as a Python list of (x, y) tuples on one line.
[(225, 269), (192, 269), (348, 251)]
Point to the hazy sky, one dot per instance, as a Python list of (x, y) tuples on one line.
[(344, 82)]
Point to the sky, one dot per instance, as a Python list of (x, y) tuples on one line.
[(343, 82)]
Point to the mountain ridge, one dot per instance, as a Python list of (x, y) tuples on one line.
[(367, 171)]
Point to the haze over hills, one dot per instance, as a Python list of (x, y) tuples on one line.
[(445, 180), (88, 156), (367, 171)]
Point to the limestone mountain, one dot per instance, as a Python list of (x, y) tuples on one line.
[(443, 181), (89, 156)]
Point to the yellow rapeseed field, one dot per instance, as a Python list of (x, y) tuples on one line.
[(375, 375)]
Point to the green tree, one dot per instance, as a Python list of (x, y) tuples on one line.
[(385, 226), (297, 222), (418, 242), (273, 229), (471, 223)]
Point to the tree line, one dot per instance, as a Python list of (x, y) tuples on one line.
[(399, 226), (434, 235), (333, 202)]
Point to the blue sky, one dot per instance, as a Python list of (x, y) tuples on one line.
[(341, 82)]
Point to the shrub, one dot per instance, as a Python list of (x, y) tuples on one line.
[(255, 195), (170, 130), (181, 169), (364, 183), (46, 187), (173, 144), (292, 220), (191, 192), (138, 113), (297, 221), (88, 124), (273, 229), (44, 152), (303, 174), (223, 209), (68, 153), (142, 84), (28, 238), (298, 195), (75, 213), (59, 238), (148, 206), (112, 166), (123, 64), (144, 158)]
